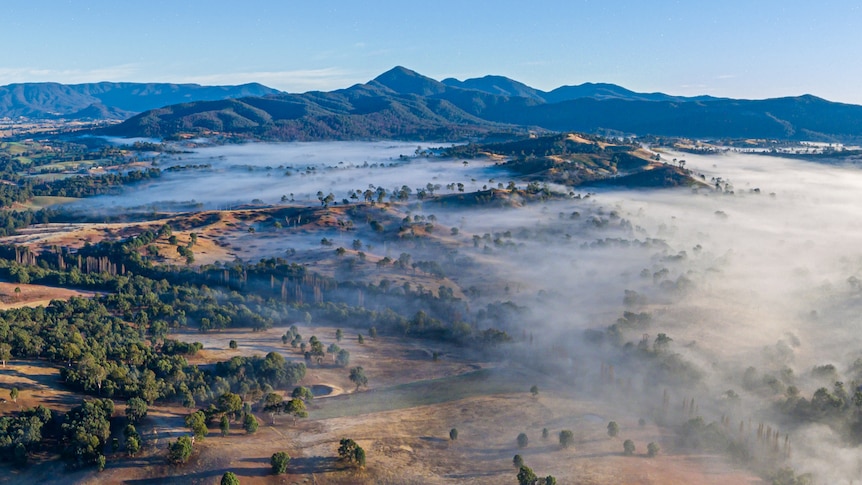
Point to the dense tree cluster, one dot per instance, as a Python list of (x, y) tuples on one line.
[(22, 433), (86, 430)]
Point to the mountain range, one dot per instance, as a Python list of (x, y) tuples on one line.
[(108, 100), (404, 104)]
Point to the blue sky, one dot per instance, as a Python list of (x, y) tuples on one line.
[(748, 49)]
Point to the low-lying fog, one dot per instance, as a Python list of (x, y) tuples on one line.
[(768, 273), (762, 272), (264, 172)]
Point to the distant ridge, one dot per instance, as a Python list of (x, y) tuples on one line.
[(107, 100), (402, 103), (504, 86)]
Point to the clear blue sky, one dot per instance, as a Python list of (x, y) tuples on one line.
[(749, 49)]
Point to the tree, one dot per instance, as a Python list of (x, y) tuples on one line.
[(136, 409), (652, 449), (545, 433), (534, 391), (279, 462), (662, 342), (548, 480), (316, 348), (339, 334), (229, 478), (233, 345), (100, 462), (359, 456), (350, 452), (628, 447), (296, 408), (93, 371), (229, 403), (357, 376), (522, 440), (333, 350), (360, 339), (342, 358), (5, 352), (272, 404), (180, 450), (372, 332), (566, 438), (453, 434), (250, 424), (224, 426), (197, 422), (518, 461), (613, 429), (133, 439), (526, 476), (302, 392), (14, 394), (133, 445)]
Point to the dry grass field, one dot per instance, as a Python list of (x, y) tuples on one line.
[(402, 419)]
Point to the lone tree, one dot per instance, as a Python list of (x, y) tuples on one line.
[(229, 478), (523, 440), (342, 358), (652, 449), (534, 390), (357, 376), (566, 438), (613, 429), (180, 450), (233, 345), (350, 452), (518, 461), (545, 433), (279, 462), (453, 434), (628, 447), (339, 334), (13, 393)]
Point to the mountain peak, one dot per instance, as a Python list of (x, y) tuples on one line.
[(499, 85), (405, 81)]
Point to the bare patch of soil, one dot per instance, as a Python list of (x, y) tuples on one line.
[(17, 295)]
